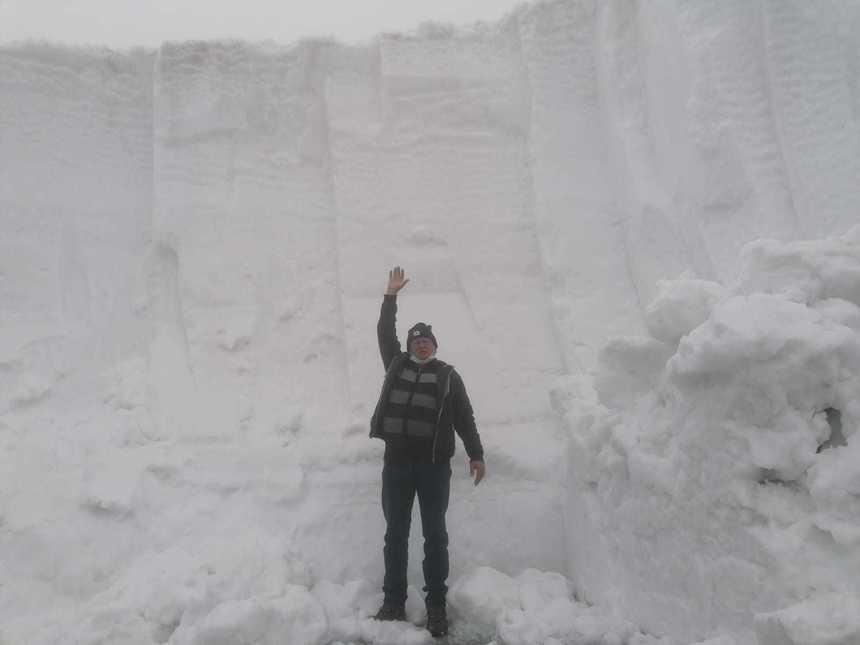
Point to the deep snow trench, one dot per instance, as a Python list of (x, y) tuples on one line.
[(633, 226)]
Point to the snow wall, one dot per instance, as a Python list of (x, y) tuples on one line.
[(195, 242)]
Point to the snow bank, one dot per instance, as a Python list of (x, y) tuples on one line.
[(727, 483)]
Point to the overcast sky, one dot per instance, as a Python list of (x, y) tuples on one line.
[(123, 23)]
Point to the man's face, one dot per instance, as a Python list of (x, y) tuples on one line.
[(422, 347)]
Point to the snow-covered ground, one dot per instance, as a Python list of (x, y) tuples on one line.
[(634, 228)]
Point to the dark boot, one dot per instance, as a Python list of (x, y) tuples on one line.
[(391, 612), (437, 620)]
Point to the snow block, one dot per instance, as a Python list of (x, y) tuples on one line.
[(828, 619), (296, 617), (480, 597), (680, 306)]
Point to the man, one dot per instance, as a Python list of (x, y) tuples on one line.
[(423, 401)]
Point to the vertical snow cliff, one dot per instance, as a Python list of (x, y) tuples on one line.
[(195, 241)]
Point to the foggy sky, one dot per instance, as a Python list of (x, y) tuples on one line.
[(125, 23)]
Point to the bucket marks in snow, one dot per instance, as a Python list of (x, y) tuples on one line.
[(172, 390)]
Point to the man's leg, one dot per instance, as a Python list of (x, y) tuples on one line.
[(398, 492), (434, 485)]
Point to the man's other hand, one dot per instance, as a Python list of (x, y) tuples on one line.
[(478, 470), (396, 281)]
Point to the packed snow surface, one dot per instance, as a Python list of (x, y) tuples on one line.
[(634, 228)]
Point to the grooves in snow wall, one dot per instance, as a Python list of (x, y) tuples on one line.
[(191, 233)]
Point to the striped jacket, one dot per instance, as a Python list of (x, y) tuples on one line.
[(454, 410)]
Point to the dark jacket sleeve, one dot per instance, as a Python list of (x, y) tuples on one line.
[(464, 419), (389, 346)]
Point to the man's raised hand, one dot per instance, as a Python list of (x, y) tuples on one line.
[(396, 281)]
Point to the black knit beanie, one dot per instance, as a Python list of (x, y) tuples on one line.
[(419, 330)]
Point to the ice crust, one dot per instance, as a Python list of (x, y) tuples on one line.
[(633, 228)]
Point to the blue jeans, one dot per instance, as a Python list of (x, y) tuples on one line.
[(400, 483)]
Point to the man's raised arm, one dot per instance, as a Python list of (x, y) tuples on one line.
[(389, 346)]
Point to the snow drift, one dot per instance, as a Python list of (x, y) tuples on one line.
[(726, 484)]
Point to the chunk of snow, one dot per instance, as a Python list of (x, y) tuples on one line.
[(680, 306), (826, 619), (295, 617)]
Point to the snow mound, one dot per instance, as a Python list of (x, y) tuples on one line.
[(726, 482), (807, 271), (535, 607), (680, 306), (829, 619), (295, 617), (482, 596)]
